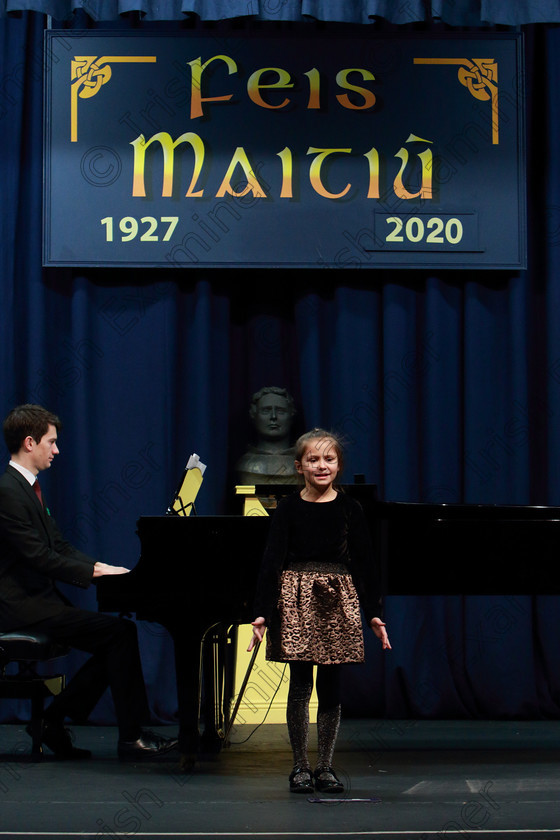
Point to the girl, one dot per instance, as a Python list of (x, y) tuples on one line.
[(318, 554)]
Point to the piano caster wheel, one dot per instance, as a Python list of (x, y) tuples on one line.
[(187, 762)]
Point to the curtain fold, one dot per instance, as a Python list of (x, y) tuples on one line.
[(452, 12)]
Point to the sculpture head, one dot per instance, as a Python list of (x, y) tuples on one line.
[(272, 412)]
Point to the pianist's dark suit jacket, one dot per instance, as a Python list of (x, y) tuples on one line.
[(33, 556)]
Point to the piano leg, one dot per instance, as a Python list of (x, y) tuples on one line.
[(186, 643)]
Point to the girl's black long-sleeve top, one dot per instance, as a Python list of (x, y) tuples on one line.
[(329, 532)]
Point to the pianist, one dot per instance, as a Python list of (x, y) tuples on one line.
[(34, 557)]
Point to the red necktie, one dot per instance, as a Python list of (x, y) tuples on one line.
[(37, 488)]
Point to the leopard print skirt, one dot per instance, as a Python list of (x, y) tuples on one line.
[(318, 617)]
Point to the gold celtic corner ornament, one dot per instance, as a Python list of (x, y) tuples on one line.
[(88, 74), (480, 77)]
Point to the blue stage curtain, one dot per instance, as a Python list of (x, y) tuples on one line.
[(446, 386), (453, 12)]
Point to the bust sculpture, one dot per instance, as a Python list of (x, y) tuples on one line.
[(271, 459)]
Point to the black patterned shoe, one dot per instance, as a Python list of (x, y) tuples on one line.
[(326, 781), (301, 780)]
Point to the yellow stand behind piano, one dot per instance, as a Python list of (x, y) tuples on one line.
[(266, 692)]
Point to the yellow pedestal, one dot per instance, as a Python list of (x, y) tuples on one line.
[(267, 688)]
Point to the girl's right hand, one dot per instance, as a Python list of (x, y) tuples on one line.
[(259, 626), (378, 628)]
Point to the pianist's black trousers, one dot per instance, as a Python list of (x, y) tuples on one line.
[(115, 663)]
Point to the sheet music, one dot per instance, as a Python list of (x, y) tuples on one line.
[(183, 503)]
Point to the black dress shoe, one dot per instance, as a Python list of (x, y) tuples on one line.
[(59, 740), (326, 781), (301, 780), (148, 745)]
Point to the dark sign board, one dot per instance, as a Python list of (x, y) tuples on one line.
[(280, 150)]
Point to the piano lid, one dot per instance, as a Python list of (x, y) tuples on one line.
[(422, 549), (462, 549)]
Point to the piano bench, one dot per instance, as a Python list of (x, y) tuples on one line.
[(27, 650)]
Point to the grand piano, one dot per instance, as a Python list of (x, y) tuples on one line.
[(196, 576)]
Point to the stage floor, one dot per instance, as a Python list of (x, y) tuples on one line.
[(405, 779)]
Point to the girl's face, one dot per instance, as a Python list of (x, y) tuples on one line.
[(319, 464)]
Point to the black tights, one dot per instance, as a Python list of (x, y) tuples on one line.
[(328, 713)]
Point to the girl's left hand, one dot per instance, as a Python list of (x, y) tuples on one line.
[(378, 628)]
